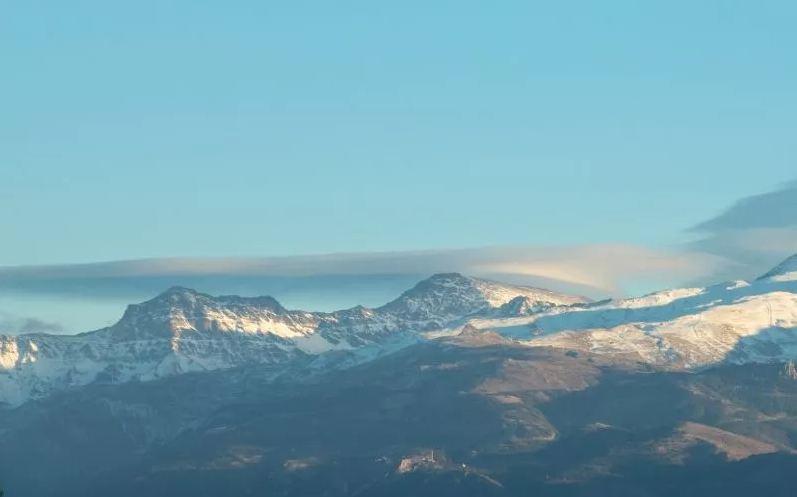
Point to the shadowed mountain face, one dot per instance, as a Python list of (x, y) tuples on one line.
[(458, 387)]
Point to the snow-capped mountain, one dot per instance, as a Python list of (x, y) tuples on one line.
[(182, 330), (685, 328)]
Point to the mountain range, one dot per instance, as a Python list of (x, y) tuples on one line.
[(182, 331), (460, 386)]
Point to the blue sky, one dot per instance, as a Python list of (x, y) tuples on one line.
[(185, 128), (602, 131)]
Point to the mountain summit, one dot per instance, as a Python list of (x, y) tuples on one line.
[(448, 296), (180, 309)]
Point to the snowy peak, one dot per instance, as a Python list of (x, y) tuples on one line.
[(499, 294), (451, 283), (440, 294), (446, 295), (181, 297), (176, 293), (785, 271), (182, 330), (181, 310), (432, 303)]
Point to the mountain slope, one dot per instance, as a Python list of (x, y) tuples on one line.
[(675, 329), (450, 416)]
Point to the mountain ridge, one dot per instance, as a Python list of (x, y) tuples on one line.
[(182, 330), (686, 328)]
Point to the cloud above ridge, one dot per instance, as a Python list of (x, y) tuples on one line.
[(742, 242), (755, 233), (11, 324), (89, 296), (595, 269)]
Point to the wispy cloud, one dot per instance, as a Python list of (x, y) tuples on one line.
[(755, 233), (17, 325), (593, 269), (774, 209), (606, 269), (744, 241), (88, 296)]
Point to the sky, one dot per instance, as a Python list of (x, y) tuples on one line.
[(257, 129)]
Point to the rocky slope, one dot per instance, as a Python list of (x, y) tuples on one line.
[(183, 331), (452, 416)]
